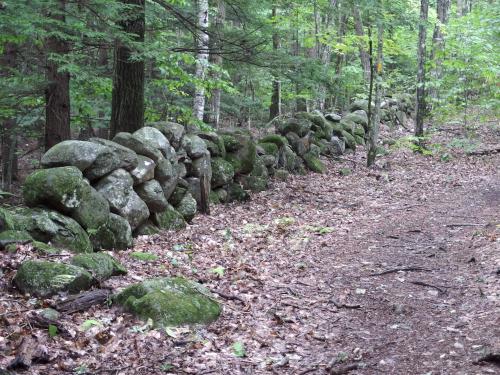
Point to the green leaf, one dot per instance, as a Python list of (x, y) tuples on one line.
[(239, 349), (52, 330), (88, 324), (219, 271)]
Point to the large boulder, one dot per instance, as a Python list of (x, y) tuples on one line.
[(51, 226), (61, 188), (194, 146), (44, 279), (359, 117), (334, 117), (359, 104), (243, 159), (299, 126), (222, 172), (123, 200), (101, 265), (174, 132), (93, 210), (187, 207), (194, 188), (170, 302), (155, 138), (338, 145), (152, 194), (138, 145), (169, 219), (235, 192), (164, 171), (127, 157), (290, 161), (214, 143), (14, 237), (79, 154), (115, 234), (298, 144), (313, 163)]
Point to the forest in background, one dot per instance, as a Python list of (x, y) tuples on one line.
[(95, 67)]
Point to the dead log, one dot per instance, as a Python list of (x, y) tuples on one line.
[(83, 301), (487, 151)]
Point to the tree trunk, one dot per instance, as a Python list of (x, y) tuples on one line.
[(422, 33), (375, 121), (201, 59), (275, 108), (442, 10), (212, 117), (363, 55), (57, 99), (127, 103)]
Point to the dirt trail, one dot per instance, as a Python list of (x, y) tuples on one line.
[(299, 270)]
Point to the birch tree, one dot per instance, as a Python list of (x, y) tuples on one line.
[(422, 34), (202, 40)]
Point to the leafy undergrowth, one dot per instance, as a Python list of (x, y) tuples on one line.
[(312, 277)]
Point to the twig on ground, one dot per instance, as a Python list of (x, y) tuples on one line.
[(405, 269), (344, 305), (310, 369), (228, 296), (347, 368), (464, 225), (442, 291)]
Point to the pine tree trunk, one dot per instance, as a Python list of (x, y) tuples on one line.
[(422, 34), (363, 55), (375, 121), (212, 117), (202, 41), (127, 103), (275, 108), (57, 99)]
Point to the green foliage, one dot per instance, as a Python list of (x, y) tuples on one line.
[(239, 349), (143, 256)]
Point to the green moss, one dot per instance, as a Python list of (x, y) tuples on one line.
[(345, 172), (177, 195), (222, 172), (234, 161), (235, 192), (231, 143), (170, 302), (281, 174), (255, 183), (146, 229), (350, 141), (143, 256), (61, 188), (101, 265), (337, 129), (6, 220), (116, 234), (44, 248), (214, 198), (169, 219), (45, 279), (187, 207), (276, 139), (15, 236), (313, 163), (269, 148), (359, 140)]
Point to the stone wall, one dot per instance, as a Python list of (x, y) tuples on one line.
[(98, 194)]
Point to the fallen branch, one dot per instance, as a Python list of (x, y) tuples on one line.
[(442, 291), (488, 151), (464, 225), (344, 305), (405, 269), (83, 301), (346, 369), (228, 296), (491, 358)]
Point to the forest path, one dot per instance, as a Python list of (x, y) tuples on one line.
[(299, 272), (303, 256)]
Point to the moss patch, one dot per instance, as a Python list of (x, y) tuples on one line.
[(143, 256), (101, 265), (276, 139), (170, 302), (45, 279), (269, 148), (313, 163), (169, 219)]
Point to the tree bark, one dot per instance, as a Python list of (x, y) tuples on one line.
[(275, 108), (375, 121), (202, 41), (363, 55), (57, 99), (127, 103), (422, 34), (442, 10), (212, 117)]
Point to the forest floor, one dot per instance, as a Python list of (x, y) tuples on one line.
[(394, 270)]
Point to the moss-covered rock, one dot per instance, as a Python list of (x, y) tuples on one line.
[(152, 194), (144, 256), (299, 126), (222, 172), (269, 148), (243, 159), (214, 198), (179, 193), (281, 174), (173, 131), (80, 154), (194, 146), (51, 226), (215, 144), (127, 157), (93, 210), (359, 140), (277, 139), (358, 117), (101, 265), (290, 161), (115, 234), (359, 104), (146, 229), (235, 192), (6, 219), (231, 143), (61, 188), (187, 207), (44, 279), (138, 145), (45, 249), (170, 302), (254, 183), (10, 236), (349, 139), (235, 161), (221, 194), (313, 163), (169, 219)]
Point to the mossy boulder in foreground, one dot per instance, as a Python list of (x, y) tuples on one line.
[(170, 302), (44, 279), (101, 265)]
